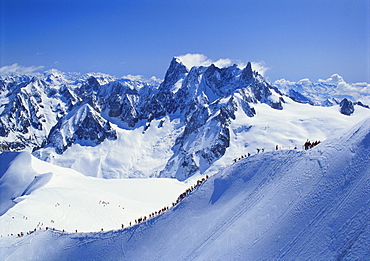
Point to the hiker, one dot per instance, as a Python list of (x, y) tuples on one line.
[(307, 145)]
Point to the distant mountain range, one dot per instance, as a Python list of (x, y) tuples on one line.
[(174, 128), (326, 92)]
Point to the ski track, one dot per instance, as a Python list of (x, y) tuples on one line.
[(320, 216), (236, 213)]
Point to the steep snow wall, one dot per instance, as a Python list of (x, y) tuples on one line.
[(17, 178), (308, 205)]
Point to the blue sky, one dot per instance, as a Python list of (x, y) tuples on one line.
[(294, 39)]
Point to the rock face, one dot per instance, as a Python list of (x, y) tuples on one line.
[(346, 107), (84, 126), (56, 110), (208, 98)]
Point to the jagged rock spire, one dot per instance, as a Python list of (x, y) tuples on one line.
[(247, 73), (175, 72)]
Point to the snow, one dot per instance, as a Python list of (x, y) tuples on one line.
[(286, 204), (333, 87), (34, 192), (139, 153), (135, 153), (287, 128), (177, 86), (280, 204)]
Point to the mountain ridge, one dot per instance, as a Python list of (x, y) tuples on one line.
[(204, 101)]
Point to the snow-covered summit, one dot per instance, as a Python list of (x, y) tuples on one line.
[(83, 126)]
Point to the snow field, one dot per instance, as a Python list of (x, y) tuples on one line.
[(71, 201), (136, 153), (287, 128)]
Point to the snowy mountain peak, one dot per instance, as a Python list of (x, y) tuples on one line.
[(175, 73), (198, 109), (82, 126)]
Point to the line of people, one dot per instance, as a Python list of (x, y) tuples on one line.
[(242, 157), (308, 144), (164, 209), (137, 221)]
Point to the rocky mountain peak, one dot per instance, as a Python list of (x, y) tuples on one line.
[(247, 73), (175, 72), (82, 125), (346, 107)]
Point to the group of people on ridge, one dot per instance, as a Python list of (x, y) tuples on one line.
[(181, 197), (307, 145), (137, 221)]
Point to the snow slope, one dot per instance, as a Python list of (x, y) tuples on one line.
[(286, 204), (134, 153), (286, 128), (36, 194)]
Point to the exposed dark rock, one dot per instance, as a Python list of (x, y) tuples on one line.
[(346, 107)]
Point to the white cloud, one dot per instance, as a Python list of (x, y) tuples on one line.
[(226, 62), (347, 88), (156, 79), (260, 67), (141, 78), (335, 78), (19, 69), (190, 60), (134, 77)]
